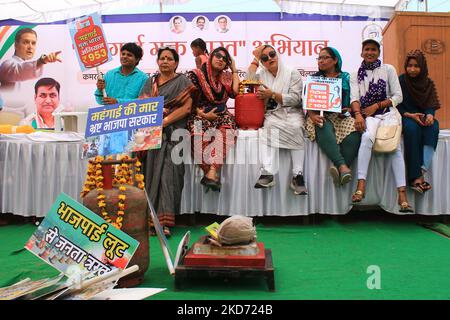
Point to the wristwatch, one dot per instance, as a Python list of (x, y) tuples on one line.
[(42, 58)]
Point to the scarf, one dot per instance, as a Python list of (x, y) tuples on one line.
[(339, 62), (279, 83), (421, 88), (377, 90), (216, 90)]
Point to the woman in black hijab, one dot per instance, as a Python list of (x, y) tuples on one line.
[(420, 128)]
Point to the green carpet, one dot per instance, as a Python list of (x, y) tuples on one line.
[(325, 261)]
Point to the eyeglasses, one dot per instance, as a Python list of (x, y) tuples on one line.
[(323, 58), (220, 56), (265, 58)]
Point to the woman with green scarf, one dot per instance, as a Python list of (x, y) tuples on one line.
[(335, 133)]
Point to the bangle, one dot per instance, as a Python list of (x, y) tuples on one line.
[(255, 63)]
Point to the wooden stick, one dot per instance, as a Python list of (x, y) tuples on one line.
[(100, 76), (161, 237)]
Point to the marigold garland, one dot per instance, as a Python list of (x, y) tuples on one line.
[(122, 175)]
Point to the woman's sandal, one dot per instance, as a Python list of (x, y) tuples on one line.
[(210, 184), (417, 187), (346, 177), (404, 206), (334, 173), (357, 196), (167, 232), (425, 186)]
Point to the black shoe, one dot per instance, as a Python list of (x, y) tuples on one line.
[(210, 184), (265, 181), (298, 185)]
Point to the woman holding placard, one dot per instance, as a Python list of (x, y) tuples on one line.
[(164, 179), (375, 92), (335, 133)]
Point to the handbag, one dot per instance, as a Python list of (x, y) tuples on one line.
[(389, 132)]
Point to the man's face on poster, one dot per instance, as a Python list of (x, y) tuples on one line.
[(26, 46), (201, 23), (223, 23), (46, 99), (178, 24)]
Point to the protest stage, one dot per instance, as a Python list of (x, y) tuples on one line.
[(34, 173), (238, 196)]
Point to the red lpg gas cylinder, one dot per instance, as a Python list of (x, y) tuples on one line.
[(249, 110)]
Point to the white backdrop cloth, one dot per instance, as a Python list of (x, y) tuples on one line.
[(33, 174), (238, 195)]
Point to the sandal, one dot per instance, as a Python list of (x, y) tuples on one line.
[(405, 207), (346, 177), (357, 196), (425, 186), (210, 184), (334, 172), (167, 232), (417, 187)]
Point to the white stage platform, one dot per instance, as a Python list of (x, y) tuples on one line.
[(238, 195)]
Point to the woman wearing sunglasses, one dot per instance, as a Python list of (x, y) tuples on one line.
[(281, 90), (215, 86), (163, 178), (335, 133)]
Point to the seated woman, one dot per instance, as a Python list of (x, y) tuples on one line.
[(163, 178), (375, 90), (215, 85), (420, 128), (284, 119), (200, 52), (335, 133)]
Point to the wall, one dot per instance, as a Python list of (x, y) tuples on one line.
[(429, 32)]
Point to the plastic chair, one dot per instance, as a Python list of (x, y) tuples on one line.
[(9, 117)]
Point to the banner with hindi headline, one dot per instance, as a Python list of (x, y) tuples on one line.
[(89, 41), (322, 94), (297, 38), (125, 127), (73, 239)]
